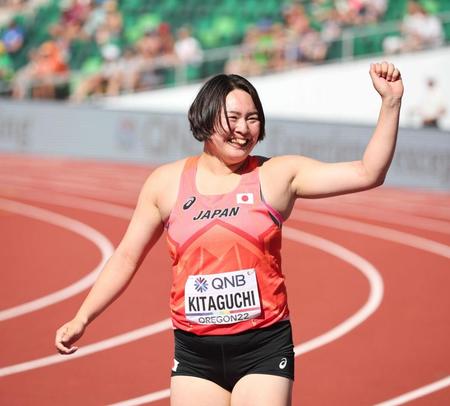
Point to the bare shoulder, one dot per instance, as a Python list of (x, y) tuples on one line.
[(282, 166), (161, 186), (166, 173)]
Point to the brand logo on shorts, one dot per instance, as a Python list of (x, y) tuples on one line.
[(175, 365), (189, 203), (283, 363)]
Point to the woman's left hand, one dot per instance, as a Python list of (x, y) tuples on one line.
[(387, 80)]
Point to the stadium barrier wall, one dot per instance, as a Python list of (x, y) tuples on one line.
[(333, 92), (422, 159)]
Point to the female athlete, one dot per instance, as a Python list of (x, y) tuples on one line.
[(222, 212)]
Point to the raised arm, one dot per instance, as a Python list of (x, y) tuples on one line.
[(143, 231), (306, 177)]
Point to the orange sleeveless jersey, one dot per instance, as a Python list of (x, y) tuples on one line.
[(226, 257)]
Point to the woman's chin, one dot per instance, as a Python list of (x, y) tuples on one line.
[(236, 156)]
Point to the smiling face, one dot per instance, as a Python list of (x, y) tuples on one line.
[(238, 131)]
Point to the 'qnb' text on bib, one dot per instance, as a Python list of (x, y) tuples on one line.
[(223, 298)]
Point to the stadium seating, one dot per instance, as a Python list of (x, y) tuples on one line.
[(214, 23)]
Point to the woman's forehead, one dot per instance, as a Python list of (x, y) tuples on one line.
[(239, 100)]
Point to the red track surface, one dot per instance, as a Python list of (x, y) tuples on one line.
[(402, 345)]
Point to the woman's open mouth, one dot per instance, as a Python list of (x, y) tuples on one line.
[(239, 142)]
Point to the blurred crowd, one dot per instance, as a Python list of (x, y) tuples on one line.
[(304, 35), (97, 25), (419, 30)]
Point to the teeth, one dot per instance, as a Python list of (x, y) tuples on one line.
[(238, 141)]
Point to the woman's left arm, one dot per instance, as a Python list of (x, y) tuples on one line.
[(312, 178)]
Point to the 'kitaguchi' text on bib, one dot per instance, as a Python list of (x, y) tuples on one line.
[(222, 298)]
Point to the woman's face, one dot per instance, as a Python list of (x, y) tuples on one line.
[(234, 145)]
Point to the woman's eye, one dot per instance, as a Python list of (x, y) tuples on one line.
[(232, 118)]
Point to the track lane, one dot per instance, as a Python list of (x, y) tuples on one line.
[(387, 252), (98, 362)]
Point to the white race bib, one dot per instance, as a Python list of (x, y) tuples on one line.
[(222, 298)]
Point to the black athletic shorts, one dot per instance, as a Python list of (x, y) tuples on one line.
[(225, 359)]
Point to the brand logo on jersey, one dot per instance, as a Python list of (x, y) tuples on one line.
[(283, 363), (201, 285), (175, 365), (189, 203), (244, 198), (217, 213)]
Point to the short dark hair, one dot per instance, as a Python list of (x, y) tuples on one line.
[(204, 113)]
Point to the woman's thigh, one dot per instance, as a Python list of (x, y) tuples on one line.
[(262, 390), (192, 391)]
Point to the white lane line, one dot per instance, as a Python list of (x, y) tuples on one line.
[(141, 400), (383, 233), (73, 188), (115, 210), (120, 172), (400, 195), (75, 202), (362, 265), (100, 241), (111, 342), (427, 209), (417, 393), (372, 213)]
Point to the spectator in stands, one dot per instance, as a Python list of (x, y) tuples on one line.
[(13, 37), (433, 105), (62, 37), (130, 66), (321, 10), (106, 81), (45, 71), (189, 55), (244, 61), (73, 16), (103, 36), (312, 48), (49, 72), (278, 54), (374, 10), (95, 19), (324, 17), (113, 18), (149, 49), (304, 42), (187, 48), (164, 32), (420, 30), (350, 11), (74, 12)]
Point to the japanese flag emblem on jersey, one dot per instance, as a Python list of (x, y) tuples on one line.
[(244, 198)]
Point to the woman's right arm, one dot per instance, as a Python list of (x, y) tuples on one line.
[(143, 231)]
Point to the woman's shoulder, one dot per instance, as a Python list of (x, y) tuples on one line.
[(168, 172), (281, 166), (163, 177), (162, 185)]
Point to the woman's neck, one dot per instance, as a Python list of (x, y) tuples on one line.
[(218, 166)]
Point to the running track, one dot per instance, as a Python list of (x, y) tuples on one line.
[(368, 278)]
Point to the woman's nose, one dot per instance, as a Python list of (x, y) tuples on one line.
[(241, 126)]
